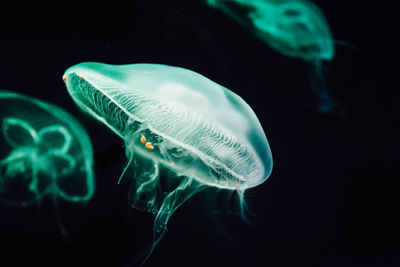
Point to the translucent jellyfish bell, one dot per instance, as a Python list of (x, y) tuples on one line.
[(295, 28), (183, 132), (43, 151)]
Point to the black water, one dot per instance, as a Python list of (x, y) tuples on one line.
[(333, 196)]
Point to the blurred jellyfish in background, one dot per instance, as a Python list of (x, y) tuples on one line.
[(295, 28), (183, 133), (43, 151)]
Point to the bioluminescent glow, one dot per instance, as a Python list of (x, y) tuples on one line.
[(183, 132), (295, 28), (43, 151)]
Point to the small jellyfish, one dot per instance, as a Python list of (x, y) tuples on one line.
[(295, 28), (183, 132), (43, 151)]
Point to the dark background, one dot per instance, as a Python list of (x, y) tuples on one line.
[(333, 197)]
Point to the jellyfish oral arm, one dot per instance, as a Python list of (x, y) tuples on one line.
[(148, 186), (187, 188)]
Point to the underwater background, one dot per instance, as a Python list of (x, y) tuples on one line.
[(333, 196)]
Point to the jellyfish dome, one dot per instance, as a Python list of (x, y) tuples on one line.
[(296, 28), (43, 151), (183, 132)]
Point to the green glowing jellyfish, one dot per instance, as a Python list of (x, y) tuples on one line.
[(43, 151), (295, 28), (183, 132)]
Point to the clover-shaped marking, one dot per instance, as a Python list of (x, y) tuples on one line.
[(44, 152)]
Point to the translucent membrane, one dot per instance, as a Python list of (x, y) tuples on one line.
[(183, 132), (295, 28), (43, 151)]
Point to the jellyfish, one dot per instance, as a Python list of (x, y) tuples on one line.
[(44, 151), (295, 28), (183, 133)]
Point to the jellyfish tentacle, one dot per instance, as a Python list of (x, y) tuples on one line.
[(172, 201), (55, 191), (346, 44), (34, 184), (57, 214), (187, 188), (150, 249), (130, 156), (243, 209), (25, 132), (153, 177), (318, 82), (326, 104), (147, 191)]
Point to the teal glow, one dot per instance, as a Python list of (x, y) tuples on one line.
[(44, 151), (183, 132), (295, 28)]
